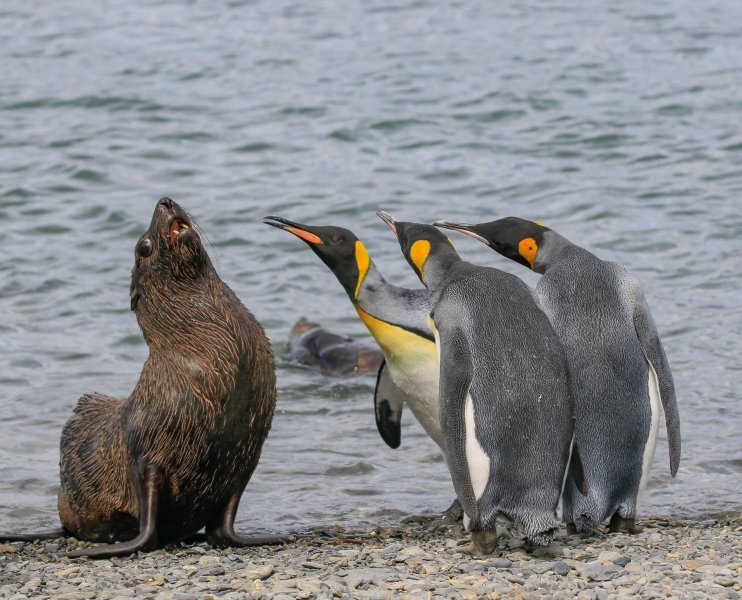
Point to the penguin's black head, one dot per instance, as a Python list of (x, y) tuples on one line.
[(418, 242), (514, 238), (338, 248)]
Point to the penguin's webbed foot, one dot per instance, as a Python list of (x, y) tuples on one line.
[(484, 541), (583, 524), (451, 516), (620, 525)]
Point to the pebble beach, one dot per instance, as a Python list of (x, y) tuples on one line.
[(670, 558)]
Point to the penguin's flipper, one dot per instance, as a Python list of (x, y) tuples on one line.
[(646, 332), (455, 381), (388, 404), (576, 471)]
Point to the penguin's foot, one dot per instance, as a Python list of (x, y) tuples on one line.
[(451, 516), (484, 541), (621, 525)]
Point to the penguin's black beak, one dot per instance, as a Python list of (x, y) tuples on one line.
[(465, 228), (301, 231), (389, 220)]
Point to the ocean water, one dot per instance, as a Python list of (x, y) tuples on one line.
[(619, 125)]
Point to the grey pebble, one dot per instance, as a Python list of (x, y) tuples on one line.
[(501, 563), (404, 566)]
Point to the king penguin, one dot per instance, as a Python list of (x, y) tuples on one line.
[(618, 368), (397, 319), (504, 401)]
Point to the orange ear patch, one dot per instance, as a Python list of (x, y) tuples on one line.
[(528, 248), (305, 235), (419, 254)]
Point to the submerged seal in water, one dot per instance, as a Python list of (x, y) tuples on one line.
[(175, 456), (334, 354)]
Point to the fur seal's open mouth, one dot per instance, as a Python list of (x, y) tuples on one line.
[(177, 227)]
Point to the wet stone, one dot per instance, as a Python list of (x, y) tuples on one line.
[(540, 567), (595, 572)]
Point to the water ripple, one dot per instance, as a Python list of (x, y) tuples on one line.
[(615, 124)]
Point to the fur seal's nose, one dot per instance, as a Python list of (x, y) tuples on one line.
[(167, 203)]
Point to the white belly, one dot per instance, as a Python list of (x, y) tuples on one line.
[(413, 364), (476, 457), (654, 405), (417, 376)]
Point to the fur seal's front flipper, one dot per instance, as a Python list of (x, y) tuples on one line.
[(388, 405), (649, 340), (220, 530), (150, 488)]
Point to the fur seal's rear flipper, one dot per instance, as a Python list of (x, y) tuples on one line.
[(151, 484), (388, 405), (32, 537), (220, 530)]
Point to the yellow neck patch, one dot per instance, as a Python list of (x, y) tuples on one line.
[(419, 254), (398, 344), (363, 261), (528, 248)]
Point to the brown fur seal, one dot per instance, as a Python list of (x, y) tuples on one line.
[(175, 456), (335, 355)]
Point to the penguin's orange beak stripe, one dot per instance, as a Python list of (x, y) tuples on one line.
[(305, 235)]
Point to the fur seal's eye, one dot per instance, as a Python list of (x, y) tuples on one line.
[(144, 248)]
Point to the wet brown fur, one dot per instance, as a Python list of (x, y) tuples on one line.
[(200, 411)]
